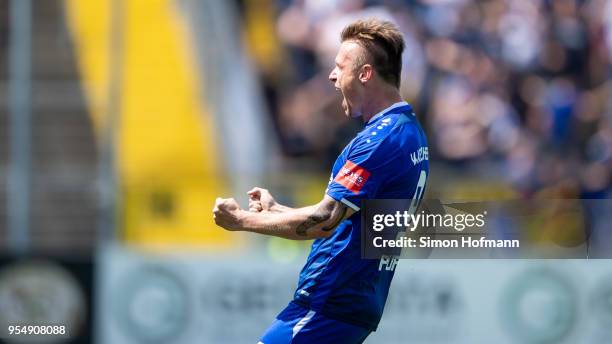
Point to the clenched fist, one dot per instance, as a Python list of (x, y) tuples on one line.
[(261, 200), (226, 213)]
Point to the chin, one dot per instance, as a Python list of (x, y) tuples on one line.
[(345, 108), (348, 111), (352, 114)]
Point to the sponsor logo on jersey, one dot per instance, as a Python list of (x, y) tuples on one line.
[(352, 176)]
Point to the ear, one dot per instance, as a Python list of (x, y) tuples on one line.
[(366, 73)]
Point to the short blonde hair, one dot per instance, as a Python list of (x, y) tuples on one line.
[(383, 43)]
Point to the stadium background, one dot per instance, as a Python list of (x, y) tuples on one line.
[(121, 121)]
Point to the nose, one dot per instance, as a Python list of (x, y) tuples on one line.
[(333, 76)]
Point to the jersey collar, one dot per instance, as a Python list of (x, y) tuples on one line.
[(383, 112)]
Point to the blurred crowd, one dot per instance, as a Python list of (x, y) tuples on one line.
[(519, 88)]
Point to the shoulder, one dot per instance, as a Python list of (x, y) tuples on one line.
[(392, 131), (373, 143)]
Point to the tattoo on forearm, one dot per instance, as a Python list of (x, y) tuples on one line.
[(337, 221), (320, 215), (314, 219)]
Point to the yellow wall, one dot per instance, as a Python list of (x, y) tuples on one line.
[(167, 151)]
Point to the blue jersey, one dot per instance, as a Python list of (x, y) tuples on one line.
[(388, 159)]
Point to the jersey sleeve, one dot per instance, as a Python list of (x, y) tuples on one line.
[(367, 166)]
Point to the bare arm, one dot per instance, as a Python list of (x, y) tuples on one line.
[(316, 221), (279, 208), (261, 199)]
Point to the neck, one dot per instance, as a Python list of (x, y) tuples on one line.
[(378, 103)]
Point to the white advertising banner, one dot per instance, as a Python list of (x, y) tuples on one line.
[(154, 298)]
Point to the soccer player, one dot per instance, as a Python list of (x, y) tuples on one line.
[(340, 296)]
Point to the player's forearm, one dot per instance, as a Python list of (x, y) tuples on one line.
[(279, 208), (296, 224)]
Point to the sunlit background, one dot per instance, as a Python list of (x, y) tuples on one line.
[(121, 121)]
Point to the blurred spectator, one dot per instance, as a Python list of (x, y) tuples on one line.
[(522, 86)]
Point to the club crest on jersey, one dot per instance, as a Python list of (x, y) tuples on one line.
[(352, 176)]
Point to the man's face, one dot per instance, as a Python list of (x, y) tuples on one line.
[(345, 77)]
